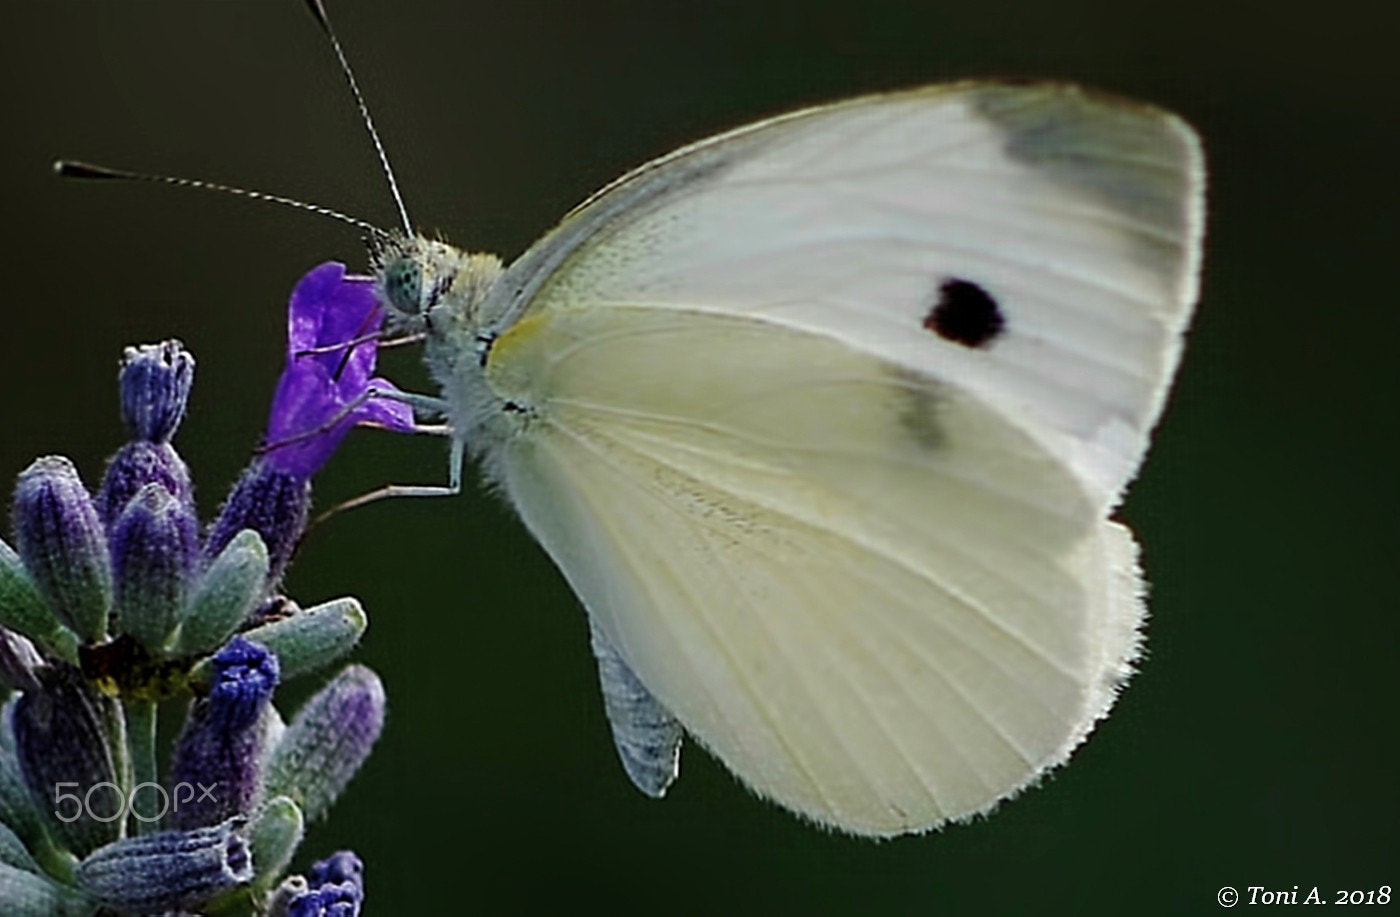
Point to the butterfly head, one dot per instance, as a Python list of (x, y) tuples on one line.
[(430, 286)]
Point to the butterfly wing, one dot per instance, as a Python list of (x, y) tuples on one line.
[(867, 564), (1079, 215)]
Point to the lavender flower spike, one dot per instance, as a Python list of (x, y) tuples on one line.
[(223, 743), (155, 386), (327, 741), (319, 399), (63, 546), (168, 870)]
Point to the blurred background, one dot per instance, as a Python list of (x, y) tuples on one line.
[(1256, 747)]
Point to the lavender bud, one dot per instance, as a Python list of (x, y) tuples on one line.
[(303, 640), (137, 464), (13, 851), (63, 546), (26, 893), (17, 808), (226, 595), (276, 834), (340, 867), (329, 901), (63, 740), (155, 384), (327, 741), (272, 503), (154, 546), (167, 870), (315, 637), (336, 889), (20, 662), (24, 610), (290, 889), (224, 743)]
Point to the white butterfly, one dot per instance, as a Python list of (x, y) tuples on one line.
[(823, 419)]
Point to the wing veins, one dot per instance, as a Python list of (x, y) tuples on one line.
[(934, 669), (749, 438), (851, 690), (860, 545), (756, 697)]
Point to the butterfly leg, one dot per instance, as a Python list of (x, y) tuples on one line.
[(390, 491), (434, 407), (421, 404), (418, 429), (383, 343), (429, 405), (647, 736)]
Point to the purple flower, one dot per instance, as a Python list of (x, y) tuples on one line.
[(222, 747), (336, 888), (321, 396), (342, 866)]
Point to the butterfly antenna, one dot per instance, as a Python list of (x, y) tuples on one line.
[(318, 10), (71, 168)]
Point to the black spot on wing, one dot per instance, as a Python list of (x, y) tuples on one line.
[(965, 314)]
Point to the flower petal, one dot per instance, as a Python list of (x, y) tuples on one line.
[(315, 402), (394, 415), (325, 306)]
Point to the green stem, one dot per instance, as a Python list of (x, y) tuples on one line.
[(53, 859), (236, 903), (141, 749)]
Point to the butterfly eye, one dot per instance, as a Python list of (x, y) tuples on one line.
[(403, 285)]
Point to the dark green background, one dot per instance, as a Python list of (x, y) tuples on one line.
[(1256, 747)]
